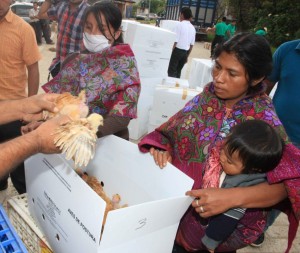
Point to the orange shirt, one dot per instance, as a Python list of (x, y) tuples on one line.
[(18, 49)]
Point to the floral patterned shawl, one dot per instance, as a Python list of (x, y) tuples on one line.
[(110, 79), (192, 132)]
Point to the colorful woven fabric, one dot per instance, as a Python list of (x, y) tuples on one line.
[(110, 79), (190, 134)]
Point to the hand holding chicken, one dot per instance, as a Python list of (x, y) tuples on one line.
[(76, 138)]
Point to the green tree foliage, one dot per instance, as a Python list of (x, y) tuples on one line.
[(281, 17), (156, 6)]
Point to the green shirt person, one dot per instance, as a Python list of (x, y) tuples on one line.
[(231, 28), (220, 31), (261, 31), (221, 28)]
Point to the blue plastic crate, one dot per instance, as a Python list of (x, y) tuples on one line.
[(10, 242)]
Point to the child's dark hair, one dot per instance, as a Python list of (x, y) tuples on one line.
[(186, 12), (258, 145), (253, 52), (111, 14)]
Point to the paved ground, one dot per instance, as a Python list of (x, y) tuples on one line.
[(276, 237)]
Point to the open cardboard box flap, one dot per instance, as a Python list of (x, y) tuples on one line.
[(70, 213)]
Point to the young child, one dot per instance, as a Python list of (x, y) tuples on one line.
[(250, 150)]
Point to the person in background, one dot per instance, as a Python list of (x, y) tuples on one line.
[(262, 31), (68, 15), (251, 149), (286, 62), (231, 29), (184, 42), (35, 22), (19, 78), (106, 70), (46, 30), (236, 95), (41, 140), (220, 31)]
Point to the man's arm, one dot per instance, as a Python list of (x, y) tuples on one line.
[(174, 45), (15, 151), (190, 50), (31, 14), (33, 79), (27, 109), (40, 140), (43, 9)]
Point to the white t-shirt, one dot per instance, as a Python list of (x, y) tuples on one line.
[(185, 35), (32, 13)]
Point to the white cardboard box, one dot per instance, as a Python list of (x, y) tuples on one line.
[(138, 127), (170, 25), (152, 63), (200, 72), (175, 82), (168, 101), (125, 23), (70, 213), (149, 36), (152, 47)]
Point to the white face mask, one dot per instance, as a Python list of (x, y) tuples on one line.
[(95, 43)]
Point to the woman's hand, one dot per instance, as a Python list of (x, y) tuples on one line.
[(211, 201), (161, 157)]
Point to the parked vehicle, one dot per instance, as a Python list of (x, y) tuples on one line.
[(152, 16), (22, 9), (141, 17)]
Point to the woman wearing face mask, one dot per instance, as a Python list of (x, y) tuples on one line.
[(106, 69)]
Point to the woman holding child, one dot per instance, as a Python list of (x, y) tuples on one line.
[(235, 95)]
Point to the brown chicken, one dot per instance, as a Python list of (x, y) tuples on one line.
[(73, 106), (111, 203), (98, 188), (76, 138)]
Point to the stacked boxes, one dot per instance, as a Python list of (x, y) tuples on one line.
[(152, 47), (140, 126), (34, 240), (10, 242), (167, 101)]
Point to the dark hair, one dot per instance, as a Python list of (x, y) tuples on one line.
[(186, 12), (253, 52), (111, 14), (258, 145), (224, 19)]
